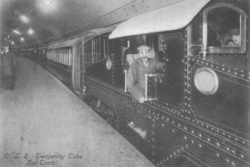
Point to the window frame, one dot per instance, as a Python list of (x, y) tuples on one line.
[(224, 50)]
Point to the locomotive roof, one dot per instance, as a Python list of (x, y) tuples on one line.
[(172, 17)]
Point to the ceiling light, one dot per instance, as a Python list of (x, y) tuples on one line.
[(47, 2), (22, 39), (24, 19), (16, 32), (48, 6), (30, 31)]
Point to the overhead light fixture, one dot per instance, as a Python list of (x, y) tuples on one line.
[(30, 31), (22, 39), (47, 2), (16, 32), (48, 6), (24, 19)]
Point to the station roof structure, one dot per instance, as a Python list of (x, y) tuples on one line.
[(39, 22)]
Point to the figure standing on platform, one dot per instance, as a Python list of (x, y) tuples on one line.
[(8, 66), (138, 69)]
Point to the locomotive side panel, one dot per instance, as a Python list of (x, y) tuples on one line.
[(225, 95), (219, 81)]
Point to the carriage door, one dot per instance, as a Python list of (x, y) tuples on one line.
[(77, 68)]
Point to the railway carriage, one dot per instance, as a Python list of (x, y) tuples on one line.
[(197, 109), (66, 61)]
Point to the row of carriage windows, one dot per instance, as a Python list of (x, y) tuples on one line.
[(96, 49), (63, 56)]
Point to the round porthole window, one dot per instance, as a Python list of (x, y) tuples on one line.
[(108, 63), (206, 81)]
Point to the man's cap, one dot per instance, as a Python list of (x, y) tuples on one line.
[(235, 31), (143, 47)]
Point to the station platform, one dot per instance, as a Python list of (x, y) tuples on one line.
[(43, 123)]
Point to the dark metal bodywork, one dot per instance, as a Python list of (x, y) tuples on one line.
[(184, 126)]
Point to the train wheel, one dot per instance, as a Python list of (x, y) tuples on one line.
[(95, 104), (110, 117), (105, 112)]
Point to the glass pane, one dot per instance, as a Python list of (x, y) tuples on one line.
[(223, 26)]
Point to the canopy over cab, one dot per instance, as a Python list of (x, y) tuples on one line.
[(168, 18)]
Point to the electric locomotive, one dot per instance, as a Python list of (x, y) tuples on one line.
[(197, 109)]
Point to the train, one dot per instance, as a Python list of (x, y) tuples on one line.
[(197, 108)]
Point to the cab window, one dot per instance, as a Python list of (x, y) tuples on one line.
[(224, 29)]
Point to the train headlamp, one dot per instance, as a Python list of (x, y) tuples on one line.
[(206, 81)]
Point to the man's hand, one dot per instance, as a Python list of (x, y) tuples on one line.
[(142, 100)]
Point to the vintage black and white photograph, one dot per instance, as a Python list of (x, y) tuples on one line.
[(124, 83)]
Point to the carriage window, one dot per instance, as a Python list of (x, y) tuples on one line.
[(106, 46), (224, 29)]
